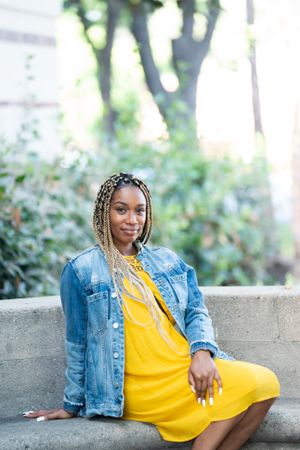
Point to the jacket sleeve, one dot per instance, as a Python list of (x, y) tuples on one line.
[(198, 322), (73, 301)]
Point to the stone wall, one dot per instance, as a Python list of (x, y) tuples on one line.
[(258, 324)]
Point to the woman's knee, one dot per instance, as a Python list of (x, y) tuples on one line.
[(268, 385)]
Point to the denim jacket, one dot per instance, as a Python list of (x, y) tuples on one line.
[(95, 325)]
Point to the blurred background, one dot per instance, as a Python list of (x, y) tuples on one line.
[(200, 98)]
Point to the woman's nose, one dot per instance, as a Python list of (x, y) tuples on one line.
[(131, 218)]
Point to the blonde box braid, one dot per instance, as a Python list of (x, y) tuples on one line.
[(118, 265)]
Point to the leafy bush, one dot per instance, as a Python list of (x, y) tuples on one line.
[(212, 211), (44, 219), (215, 212)]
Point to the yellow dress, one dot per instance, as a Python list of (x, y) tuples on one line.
[(156, 384)]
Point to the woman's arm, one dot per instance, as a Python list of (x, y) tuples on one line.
[(73, 301), (202, 371), (48, 414), (198, 323), (74, 306)]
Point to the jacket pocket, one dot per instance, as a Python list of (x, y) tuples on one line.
[(179, 285), (98, 309)]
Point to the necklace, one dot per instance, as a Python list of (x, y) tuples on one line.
[(134, 263)]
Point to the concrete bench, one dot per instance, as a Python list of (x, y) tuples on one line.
[(257, 324)]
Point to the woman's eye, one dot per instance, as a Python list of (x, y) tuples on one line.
[(121, 210), (141, 211)]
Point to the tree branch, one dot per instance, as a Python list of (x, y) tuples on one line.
[(186, 49), (85, 23), (188, 54), (253, 64), (213, 14), (250, 12), (140, 31), (103, 56), (188, 11)]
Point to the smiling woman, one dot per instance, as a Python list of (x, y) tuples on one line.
[(124, 294), (127, 218)]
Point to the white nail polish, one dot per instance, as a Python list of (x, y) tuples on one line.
[(203, 403), (27, 412), (211, 401), (220, 391), (193, 389), (40, 418), (199, 400)]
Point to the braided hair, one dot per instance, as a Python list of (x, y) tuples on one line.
[(119, 268), (101, 221)]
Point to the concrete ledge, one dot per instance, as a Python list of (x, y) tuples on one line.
[(260, 325), (281, 430), (270, 446), (257, 324)]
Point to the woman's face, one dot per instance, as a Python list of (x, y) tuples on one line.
[(127, 216)]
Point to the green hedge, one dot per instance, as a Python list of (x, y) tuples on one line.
[(213, 212)]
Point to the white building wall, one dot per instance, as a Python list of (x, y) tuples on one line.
[(27, 38)]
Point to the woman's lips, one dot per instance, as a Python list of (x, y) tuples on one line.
[(127, 231)]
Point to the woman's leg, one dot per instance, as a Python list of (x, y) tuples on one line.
[(215, 433), (231, 434), (247, 425)]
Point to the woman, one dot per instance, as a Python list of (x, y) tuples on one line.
[(124, 295)]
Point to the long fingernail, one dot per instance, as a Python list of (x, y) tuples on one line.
[(220, 391), (40, 418), (203, 403), (199, 400), (211, 401), (193, 389)]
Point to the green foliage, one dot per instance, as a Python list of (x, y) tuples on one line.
[(215, 212), (45, 218), (212, 211)]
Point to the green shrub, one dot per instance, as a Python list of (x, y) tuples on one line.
[(215, 212), (44, 219), (212, 211)]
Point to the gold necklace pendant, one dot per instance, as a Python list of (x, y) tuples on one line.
[(134, 263)]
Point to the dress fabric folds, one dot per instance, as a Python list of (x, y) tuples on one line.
[(156, 375)]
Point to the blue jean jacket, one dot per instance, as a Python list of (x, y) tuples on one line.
[(95, 325)]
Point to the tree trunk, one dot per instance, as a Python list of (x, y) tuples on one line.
[(103, 58), (254, 79), (187, 58), (139, 28), (177, 108), (296, 197), (266, 191), (104, 66), (188, 54)]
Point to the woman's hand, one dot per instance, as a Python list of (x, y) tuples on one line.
[(48, 414), (201, 375)]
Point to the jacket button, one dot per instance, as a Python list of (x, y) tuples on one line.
[(116, 355), (113, 295), (115, 325), (116, 384)]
